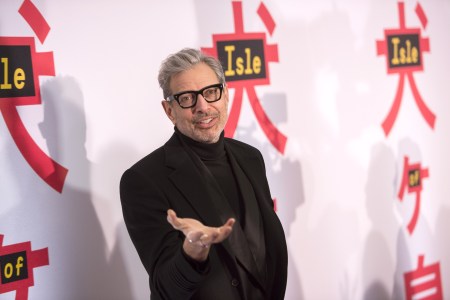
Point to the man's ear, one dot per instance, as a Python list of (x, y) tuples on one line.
[(225, 91), (168, 109)]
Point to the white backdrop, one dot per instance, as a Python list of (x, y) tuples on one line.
[(336, 183)]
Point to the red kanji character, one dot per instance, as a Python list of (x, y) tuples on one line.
[(403, 48), (22, 66), (425, 281), (16, 266), (412, 179)]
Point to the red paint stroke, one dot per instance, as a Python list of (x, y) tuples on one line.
[(35, 19)]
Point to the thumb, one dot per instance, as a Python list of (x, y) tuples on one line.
[(172, 218)]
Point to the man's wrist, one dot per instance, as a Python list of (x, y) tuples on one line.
[(199, 266)]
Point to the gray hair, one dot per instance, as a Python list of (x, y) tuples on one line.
[(184, 60)]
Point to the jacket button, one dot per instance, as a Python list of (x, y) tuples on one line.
[(234, 282)]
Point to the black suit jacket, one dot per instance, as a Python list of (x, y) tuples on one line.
[(169, 178)]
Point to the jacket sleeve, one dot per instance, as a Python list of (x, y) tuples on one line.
[(144, 207)]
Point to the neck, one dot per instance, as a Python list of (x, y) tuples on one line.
[(205, 151)]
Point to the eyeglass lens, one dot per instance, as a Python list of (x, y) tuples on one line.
[(210, 94)]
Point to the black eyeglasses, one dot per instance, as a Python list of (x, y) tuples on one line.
[(188, 99)]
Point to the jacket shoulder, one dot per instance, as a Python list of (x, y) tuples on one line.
[(156, 157), (241, 146), (150, 163)]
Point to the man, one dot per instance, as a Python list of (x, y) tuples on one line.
[(199, 209)]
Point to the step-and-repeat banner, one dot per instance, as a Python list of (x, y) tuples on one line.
[(347, 100)]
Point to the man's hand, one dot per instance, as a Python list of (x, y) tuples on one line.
[(198, 237)]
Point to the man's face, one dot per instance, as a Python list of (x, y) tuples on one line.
[(205, 121)]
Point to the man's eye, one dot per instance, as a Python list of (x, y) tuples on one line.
[(185, 98), (210, 91)]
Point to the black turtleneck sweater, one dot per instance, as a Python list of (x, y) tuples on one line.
[(216, 160)]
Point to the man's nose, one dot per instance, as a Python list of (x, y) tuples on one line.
[(201, 104)]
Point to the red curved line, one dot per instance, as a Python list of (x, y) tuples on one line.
[(277, 138), (390, 118), (412, 223), (429, 116), (50, 171), (35, 19), (421, 15), (266, 17), (404, 178)]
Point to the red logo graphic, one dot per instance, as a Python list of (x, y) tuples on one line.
[(412, 179), (16, 266), (425, 281), (245, 58), (403, 48), (20, 68)]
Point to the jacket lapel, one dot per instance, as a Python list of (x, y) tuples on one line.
[(248, 164), (276, 256), (189, 181), (253, 227)]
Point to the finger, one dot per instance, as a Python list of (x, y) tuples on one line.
[(194, 236), (230, 222), (214, 233), (205, 241), (227, 227), (173, 219), (224, 231), (198, 239)]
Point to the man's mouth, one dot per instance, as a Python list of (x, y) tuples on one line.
[(206, 121)]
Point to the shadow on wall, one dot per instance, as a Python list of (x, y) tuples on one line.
[(114, 159), (64, 129), (66, 223), (378, 264)]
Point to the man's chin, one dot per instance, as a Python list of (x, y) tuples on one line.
[(208, 138)]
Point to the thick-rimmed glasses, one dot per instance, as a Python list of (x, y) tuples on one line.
[(188, 99)]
